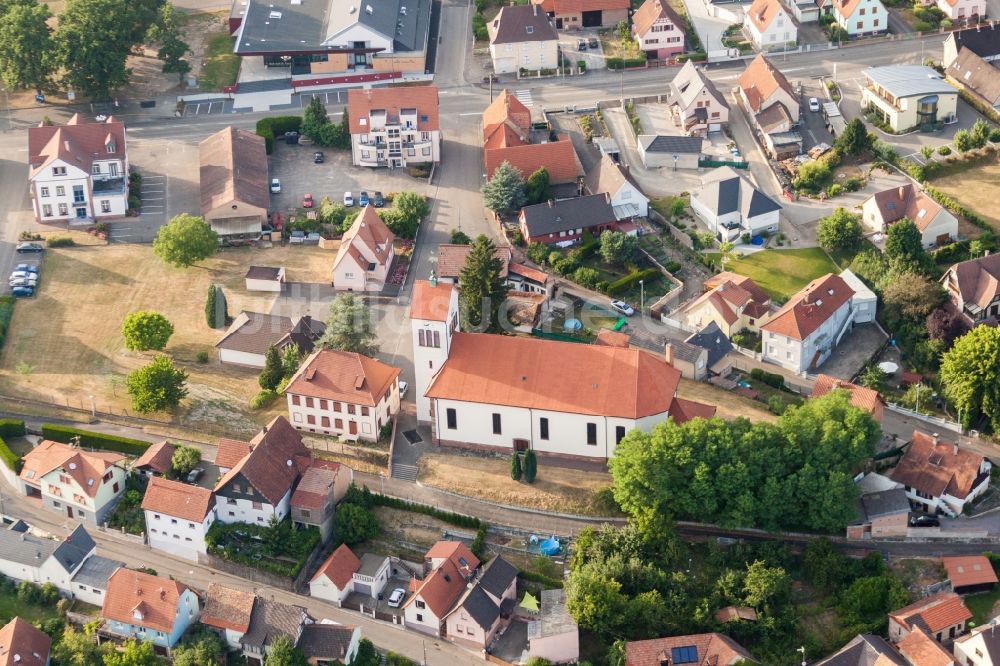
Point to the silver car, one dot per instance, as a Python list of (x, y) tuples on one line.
[(396, 598)]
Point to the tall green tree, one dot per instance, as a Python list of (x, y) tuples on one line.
[(355, 523), (970, 374), (141, 17), (79, 648), (272, 372), (185, 240), (314, 118), (619, 248), (92, 42), (157, 386), (145, 330), (596, 603), (26, 50), (537, 189), (904, 246), (133, 653), (406, 213), (291, 359), (185, 459), (765, 585), (166, 34), (481, 289), (504, 192), (284, 653), (910, 296), (854, 140), (199, 648), (366, 655), (530, 465), (349, 326), (216, 308), (840, 230), (515, 466)]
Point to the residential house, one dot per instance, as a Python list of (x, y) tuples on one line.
[(319, 491), (803, 333), (773, 106), (523, 37), (732, 302), (866, 650), (936, 224), (658, 29), (524, 279), (365, 255), (555, 635), (973, 287), (696, 105), (270, 620), (326, 41), (864, 301), (265, 278), (806, 11), (882, 514), (979, 647), (486, 607), (699, 649), (326, 642), (962, 11), (21, 644), (251, 334), (940, 477), (769, 26), (942, 616), (907, 97), (576, 14), (674, 152), (564, 221), (971, 56), (861, 397), (969, 574), (920, 649), (627, 199), (178, 515), (343, 574), (344, 394), (157, 460), (506, 393), (148, 608), (451, 565), (229, 453), (395, 126), (90, 582), (260, 485), (78, 172), (508, 137), (227, 611), (706, 351), (84, 485), (235, 193), (690, 360), (860, 17), (731, 206), (452, 258)]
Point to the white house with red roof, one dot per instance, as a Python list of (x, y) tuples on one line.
[(772, 104), (450, 565), (433, 320), (937, 226), (939, 476), (803, 333), (658, 29), (859, 17), (769, 26), (178, 515), (941, 616), (394, 127), (148, 608), (345, 394), (344, 573), (365, 254), (78, 171)]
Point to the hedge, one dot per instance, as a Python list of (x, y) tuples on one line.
[(630, 280), (269, 128), (94, 440), (6, 312), (769, 378), (619, 63), (461, 520), (11, 459), (540, 578), (12, 428)]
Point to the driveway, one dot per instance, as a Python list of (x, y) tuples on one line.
[(813, 126), (853, 352), (569, 47), (708, 27)]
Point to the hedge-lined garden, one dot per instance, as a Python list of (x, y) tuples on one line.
[(269, 128), (94, 440), (10, 428), (277, 548)]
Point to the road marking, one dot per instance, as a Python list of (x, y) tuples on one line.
[(523, 96), (474, 113)]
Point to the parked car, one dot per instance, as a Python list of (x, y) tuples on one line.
[(275, 186), (348, 199), (593, 43), (581, 45), (396, 598), (378, 200), (23, 248), (23, 292), (297, 237), (813, 104), (27, 268), (24, 281), (318, 157), (924, 521), (623, 307), (403, 388), (363, 198), (307, 201), (195, 474), (23, 274)]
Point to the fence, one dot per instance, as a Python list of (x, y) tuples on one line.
[(793, 382), (676, 233), (245, 571), (736, 164), (936, 420)]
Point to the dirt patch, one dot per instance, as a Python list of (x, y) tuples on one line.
[(916, 573), (555, 488), (729, 405), (410, 527), (978, 188)]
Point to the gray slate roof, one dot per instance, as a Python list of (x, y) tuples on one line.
[(984, 41), (25, 549), (566, 214), (483, 610), (497, 576), (885, 503), (370, 564), (74, 550), (96, 571), (864, 650), (909, 80), (271, 619), (325, 641), (725, 190), (661, 143), (714, 340), (685, 351)]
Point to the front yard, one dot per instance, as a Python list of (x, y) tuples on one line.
[(279, 548), (781, 273), (222, 66), (977, 188)]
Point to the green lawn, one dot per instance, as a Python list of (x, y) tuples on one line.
[(781, 273), (19, 445), (221, 64), (10, 607), (981, 605)]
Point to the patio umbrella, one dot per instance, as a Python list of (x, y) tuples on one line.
[(888, 367), (529, 602)]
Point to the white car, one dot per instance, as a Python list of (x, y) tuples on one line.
[(23, 274), (813, 104), (623, 307), (275, 186), (24, 281), (396, 597), (403, 388), (348, 199)]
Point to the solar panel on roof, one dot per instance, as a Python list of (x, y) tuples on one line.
[(687, 654)]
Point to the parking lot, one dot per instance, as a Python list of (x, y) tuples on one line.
[(569, 46), (208, 106), (26, 274)]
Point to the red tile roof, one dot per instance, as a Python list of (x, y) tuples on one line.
[(809, 308), (456, 552), (922, 650), (558, 158), (936, 467), (762, 12), (441, 589), (226, 608), (557, 376), (934, 613), (86, 467), (370, 231), (78, 143), (682, 410), (339, 567), (579, 6), (608, 338), (507, 110), (314, 487), (23, 645), (759, 81), (743, 281), (180, 500), (430, 302), (711, 650), (157, 457), (650, 12), (230, 452), (969, 570), (732, 613), (342, 376), (362, 101), (861, 397), (155, 599), (531, 273), (277, 457), (906, 201)]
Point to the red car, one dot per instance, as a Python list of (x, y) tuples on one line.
[(307, 201)]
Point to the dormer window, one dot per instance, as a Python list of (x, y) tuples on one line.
[(95, 169), (137, 614), (530, 29), (111, 147)]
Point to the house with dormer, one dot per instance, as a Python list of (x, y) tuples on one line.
[(148, 608), (394, 127), (937, 226), (973, 287), (523, 37), (939, 476), (84, 485), (78, 171), (733, 302), (449, 566), (772, 105), (696, 105), (21, 644), (972, 56), (365, 255), (485, 608), (658, 29), (178, 516), (769, 26)]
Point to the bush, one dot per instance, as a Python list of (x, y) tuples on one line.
[(540, 579), (581, 65), (201, 357), (477, 546), (530, 466), (624, 284), (479, 27), (12, 428), (6, 312), (769, 378), (776, 405), (365, 498), (263, 399), (944, 150), (834, 190), (587, 277), (269, 128), (515, 466), (605, 502), (10, 459), (995, 135), (60, 241), (94, 440)]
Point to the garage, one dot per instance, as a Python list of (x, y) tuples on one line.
[(592, 19)]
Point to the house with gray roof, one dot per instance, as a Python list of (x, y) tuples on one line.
[(523, 37), (865, 650), (25, 555), (673, 152), (881, 514), (564, 221), (486, 606), (90, 582), (716, 345), (696, 105), (691, 360), (248, 338), (972, 62), (326, 642), (627, 199), (908, 97), (730, 205), (269, 620), (319, 38)]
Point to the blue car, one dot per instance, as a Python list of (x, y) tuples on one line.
[(363, 199), (27, 268), (23, 292)]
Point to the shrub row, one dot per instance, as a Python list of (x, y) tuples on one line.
[(94, 440), (60, 241), (541, 579), (269, 128), (619, 63), (630, 280), (6, 312), (458, 519), (956, 208), (11, 459), (769, 378), (12, 428)]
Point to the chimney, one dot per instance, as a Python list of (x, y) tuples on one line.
[(668, 354), (534, 8), (955, 449), (902, 192), (433, 280), (934, 438)]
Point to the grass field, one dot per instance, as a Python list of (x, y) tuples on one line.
[(221, 64), (781, 273), (65, 346), (554, 489), (983, 606), (977, 188), (11, 606)]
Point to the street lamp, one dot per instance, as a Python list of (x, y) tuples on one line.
[(642, 297), (93, 407)]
